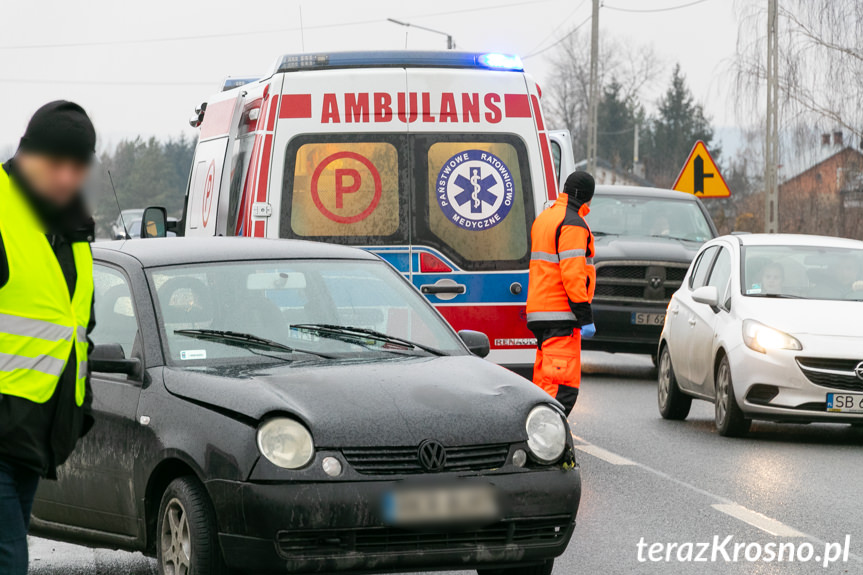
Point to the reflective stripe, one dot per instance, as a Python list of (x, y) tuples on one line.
[(82, 369), (27, 327), (81, 334), (43, 363), (544, 257), (551, 316), (589, 261), (566, 254)]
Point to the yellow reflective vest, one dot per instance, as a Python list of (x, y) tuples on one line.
[(39, 323)]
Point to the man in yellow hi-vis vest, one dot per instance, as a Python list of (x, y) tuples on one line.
[(46, 312)]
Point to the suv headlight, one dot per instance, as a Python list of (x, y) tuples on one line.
[(546, 433), (285, 442), (760, 337)]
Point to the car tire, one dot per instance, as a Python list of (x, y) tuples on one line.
[(673, 403), (730, 419), (541, 569), (186, 535)]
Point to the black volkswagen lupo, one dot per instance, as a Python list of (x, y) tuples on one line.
[(283, 406)]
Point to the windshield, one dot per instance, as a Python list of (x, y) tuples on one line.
[(807, 272), (658, 217), (276, 301)]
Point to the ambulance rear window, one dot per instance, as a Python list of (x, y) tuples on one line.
[(346, 191), (478, 202)]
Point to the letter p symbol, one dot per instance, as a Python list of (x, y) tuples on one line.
[(341, 188)]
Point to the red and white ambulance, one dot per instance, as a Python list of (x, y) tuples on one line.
[(436, 161)]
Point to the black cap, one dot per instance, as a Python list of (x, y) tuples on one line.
[(580, 186), (62, 129)]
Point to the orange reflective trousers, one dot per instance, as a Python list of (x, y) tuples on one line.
[(557, 369)]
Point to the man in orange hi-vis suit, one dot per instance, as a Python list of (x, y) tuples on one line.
[(560, 289)]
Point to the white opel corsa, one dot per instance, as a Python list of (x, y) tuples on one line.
[(767, 327)]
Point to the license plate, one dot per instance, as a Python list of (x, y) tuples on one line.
[(845, 403), (648, 318), (437, 505)]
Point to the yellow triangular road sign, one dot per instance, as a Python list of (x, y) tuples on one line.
[(700, 175)]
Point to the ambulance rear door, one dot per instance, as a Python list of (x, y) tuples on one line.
[(342, 162), (479, 178), (561, 154)]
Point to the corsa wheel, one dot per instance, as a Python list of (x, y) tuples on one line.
[(175, 540), (730, 420), (673, 403), (187, 541)]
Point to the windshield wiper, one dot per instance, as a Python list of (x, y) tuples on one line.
[(678, 238), (244, 340), (354, 333), (601, 233), (776, 295)]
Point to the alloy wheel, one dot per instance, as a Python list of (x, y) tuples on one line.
[(722, 396), (176, 540), (664, 378)]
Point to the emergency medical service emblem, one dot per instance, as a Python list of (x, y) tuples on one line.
[(475, 190)]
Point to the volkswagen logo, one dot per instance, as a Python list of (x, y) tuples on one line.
[(432, 455), (859, 371), (656, 282)]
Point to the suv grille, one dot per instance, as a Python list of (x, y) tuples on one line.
[(372, 540), (638, 281), (833, 373), (398, 460)]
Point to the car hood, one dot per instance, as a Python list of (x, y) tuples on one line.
[(456, 399), (807, 317), (645, 248)]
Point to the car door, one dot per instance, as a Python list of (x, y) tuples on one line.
[(94, 488), (703, 324), (681, 314)]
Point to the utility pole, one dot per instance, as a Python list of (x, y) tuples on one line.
[(771, 141), (593, 104)]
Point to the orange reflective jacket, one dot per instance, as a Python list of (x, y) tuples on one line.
[(562, 276)]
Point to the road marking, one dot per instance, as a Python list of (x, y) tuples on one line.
[(604, 454), (762, 522), (725, 505)]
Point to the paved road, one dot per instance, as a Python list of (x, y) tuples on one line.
[(666, 482)]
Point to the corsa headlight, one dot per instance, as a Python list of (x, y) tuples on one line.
[(546, 433), (285, 442), (761, 338)]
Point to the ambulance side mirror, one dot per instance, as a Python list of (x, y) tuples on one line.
[(476, 342), (154, 223)]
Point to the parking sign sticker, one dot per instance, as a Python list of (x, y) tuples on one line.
[(475, 190)]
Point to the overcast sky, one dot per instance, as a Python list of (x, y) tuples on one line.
[(133, 85)]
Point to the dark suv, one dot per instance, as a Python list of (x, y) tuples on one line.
[(645, 241)]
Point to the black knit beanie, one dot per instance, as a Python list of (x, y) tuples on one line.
[(61, 129), (580, 185)]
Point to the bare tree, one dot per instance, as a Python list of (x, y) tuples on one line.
[(634, 67), (820, 64)]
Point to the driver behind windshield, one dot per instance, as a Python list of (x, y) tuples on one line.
[(772, 278)]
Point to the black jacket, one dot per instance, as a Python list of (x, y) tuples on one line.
[(41, 436)]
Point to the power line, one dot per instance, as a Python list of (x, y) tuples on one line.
[(650, 10), (564, 37), (134, 41), (559, 26), (105, 82)]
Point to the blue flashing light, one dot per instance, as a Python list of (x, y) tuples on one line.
[(500, 61), (231, 83), (398, 59)]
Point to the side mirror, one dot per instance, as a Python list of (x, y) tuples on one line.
[(109, 358), (706, 295), (476, 341), (154, 222)]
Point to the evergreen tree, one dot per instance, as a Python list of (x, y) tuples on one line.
[(678, 124), (617, 118)]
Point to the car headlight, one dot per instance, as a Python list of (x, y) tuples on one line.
[(285, 442), (760, 337), (546, 433)]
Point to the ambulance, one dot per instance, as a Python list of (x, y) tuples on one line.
[(436, 161)]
